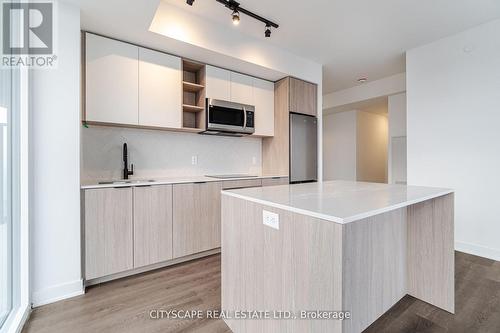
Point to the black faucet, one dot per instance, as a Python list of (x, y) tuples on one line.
[(126, 171)]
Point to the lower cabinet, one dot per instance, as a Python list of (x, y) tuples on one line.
[(152, 224), (128, 228), (275, 181), (235, 184), (196, 217), (108, 231)]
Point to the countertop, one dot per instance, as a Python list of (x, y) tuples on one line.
[(170, 180), (339, 201)]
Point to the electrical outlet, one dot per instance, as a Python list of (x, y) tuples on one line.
[(271, 219), (254, 160), (194, 160)]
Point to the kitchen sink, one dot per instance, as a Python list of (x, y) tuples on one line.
[(125, 181)]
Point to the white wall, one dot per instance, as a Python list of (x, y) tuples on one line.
[(371, 147), (339, 146), (453, 130), (397, 165), (164, 154), (55, 237)]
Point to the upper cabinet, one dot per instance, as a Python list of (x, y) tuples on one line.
[(218, 83), (111, 76), (242, 89), (127, 85), (303, 97), (263, 93), (160, 89)]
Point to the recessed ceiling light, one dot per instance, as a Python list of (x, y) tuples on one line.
[(362, 80)]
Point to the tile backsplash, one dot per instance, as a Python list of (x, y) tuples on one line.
[(165, 154)]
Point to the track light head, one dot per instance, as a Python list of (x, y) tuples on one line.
[(190, 2), (236, 17), (267, 33)]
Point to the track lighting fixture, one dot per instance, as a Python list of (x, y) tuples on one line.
[(235, 7), (236, 17), (267, 33)]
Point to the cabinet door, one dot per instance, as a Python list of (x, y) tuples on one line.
[(264, 107), (108, 231), (196, 218), (111, 81), (242, 88), (275, 181), (160, 89), (303, 97), (218, 83), (152, 224)]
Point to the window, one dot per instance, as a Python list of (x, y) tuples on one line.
[(8, 155)]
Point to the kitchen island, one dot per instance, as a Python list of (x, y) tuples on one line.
[(348, 249)]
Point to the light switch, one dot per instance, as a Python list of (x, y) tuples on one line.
[(271, 219)]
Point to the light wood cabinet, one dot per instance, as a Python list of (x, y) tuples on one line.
[(276, 150), (160, 89), (218, 83), (111, 76), (234, 184), (263, 93), (275, 181), (152, 224), (196, 218), (303, 97), (108, 231), (242, 89)]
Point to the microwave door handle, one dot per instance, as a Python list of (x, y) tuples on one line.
[(244, 118)]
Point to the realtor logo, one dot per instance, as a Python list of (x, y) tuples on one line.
[(28, 34)]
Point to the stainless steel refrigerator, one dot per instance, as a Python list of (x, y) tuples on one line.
[(303, 148)]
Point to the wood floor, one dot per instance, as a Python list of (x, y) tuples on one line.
[(124, 305)]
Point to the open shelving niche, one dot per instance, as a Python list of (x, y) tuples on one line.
[(193, 95)]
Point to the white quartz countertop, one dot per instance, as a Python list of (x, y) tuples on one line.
[(339, 201), (169, 180)]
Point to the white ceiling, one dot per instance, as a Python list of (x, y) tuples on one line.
[(351, 38)]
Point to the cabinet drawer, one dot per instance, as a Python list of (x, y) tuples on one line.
[(234, 184), (275, 181)]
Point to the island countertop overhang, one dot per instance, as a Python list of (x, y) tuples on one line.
[(339, 201)]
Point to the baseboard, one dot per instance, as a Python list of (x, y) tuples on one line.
[(478, 250), (57, 293)]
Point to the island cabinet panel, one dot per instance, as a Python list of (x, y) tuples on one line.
[(303, 97), (218, 83), (298, 267), (196, 217), (374, 267), (111, 81), (160, 89), (431, 255), (108, 231), (152, 224)]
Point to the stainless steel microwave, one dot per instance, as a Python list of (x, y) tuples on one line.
[(224, 118)]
